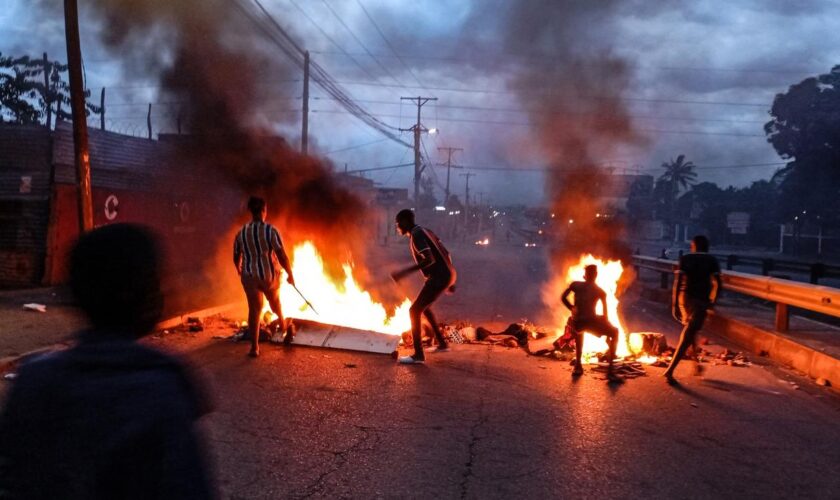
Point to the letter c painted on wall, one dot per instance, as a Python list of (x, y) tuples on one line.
[(111, 204)]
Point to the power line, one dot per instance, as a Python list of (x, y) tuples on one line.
[(558, 112), (548, 110), (548, 169), (275, 33), (362, 45), (593, 97), (374, 169), (355, 146), (388, 43), (548, 57), (328, 37), (528, 124)]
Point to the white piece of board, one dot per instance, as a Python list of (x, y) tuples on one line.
[(313, 334)]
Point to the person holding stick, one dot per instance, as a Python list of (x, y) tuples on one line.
[(257, 249)]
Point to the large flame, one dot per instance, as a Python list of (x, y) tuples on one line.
[(344, 304), (609, 274)]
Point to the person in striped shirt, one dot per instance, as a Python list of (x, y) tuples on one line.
[(257, 251), (433, 260)]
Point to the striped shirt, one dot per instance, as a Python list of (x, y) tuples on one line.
[(257, 247)]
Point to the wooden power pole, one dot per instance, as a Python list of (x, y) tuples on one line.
[(449, 168), (417, 128), (77, 103), (304, 135)]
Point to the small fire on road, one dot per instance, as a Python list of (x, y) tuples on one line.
[(609, 275)]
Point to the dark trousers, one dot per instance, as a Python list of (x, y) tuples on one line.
[(255, 289), (432, 289), (693, 313), (598, 326)]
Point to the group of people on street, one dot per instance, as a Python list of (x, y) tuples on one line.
[(125, 413), (258, 246)]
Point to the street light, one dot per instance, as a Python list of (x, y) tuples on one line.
[(433, 131)]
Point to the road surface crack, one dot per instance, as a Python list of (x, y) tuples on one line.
[(340, 459), (481, 419)]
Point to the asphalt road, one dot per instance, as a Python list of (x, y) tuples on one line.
[(490, 422)]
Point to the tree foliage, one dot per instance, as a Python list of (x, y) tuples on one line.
[(27, 97), (805, 129), (679, 174)]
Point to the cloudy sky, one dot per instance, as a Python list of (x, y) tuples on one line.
[(700, 78)]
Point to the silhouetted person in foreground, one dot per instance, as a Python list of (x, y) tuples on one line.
[(109, 417), (432, 259), (257, 251), (695, 291), (586, 319)]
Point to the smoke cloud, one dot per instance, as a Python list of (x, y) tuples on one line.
[(213, 61), (574, 101)]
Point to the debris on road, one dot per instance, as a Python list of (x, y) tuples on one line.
[(823, 382), (727, 357), (35, 307), (625, 369), (194, 325)]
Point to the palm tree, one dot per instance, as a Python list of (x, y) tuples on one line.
[(679, 174)]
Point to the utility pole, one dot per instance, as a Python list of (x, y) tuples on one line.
[(467, 198), (417, 129), (47, 91), (449, 167), (77, 102), (304, 135), (102, 110), (149, 121), (467, 193)]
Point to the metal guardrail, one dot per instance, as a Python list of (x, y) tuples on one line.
[(815, 270), (820, 299)]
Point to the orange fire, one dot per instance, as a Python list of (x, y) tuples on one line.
[(609, 273), (344, 304)]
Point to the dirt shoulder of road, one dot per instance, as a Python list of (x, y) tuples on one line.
[(24, 330)]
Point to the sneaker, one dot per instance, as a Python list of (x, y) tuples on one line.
[(435, 349), (290, 333), (410, 360)]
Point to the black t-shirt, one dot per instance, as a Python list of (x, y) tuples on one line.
[(424, 240), (698, 270)]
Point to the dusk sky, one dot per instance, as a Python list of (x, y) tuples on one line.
[(701, 79)]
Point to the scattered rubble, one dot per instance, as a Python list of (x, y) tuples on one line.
[(194, 325), (728, 357), (823, 382)]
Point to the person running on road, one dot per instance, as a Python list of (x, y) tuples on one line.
[(433, 260), (257, 249), (586, 319), (695, 291)]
